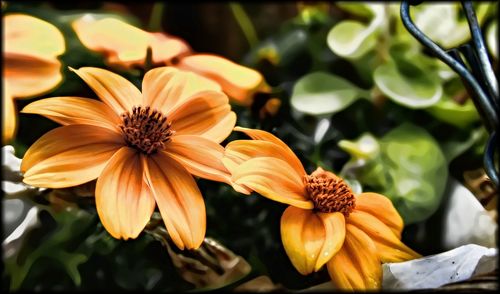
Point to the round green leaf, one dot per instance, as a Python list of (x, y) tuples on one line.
[(407, 84), (417, 170), (453, 113), (350, 39), (322, 93), (406, 165)]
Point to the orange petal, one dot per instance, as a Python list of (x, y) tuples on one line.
[(239, 151), (273, 178), (123, 43), (382, 208), (75, 110), (180, 202), (356, 266), (29, 76), (165, 88), (165, 48), (389, 247), (206, 114), (9, 120), (266, 136), (199, 156), (28, 35), (239, 82), (123, 200), (114, 90), (69, 156), (310, 239)]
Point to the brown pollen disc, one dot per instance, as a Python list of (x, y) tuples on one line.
[(329, 193), (145, 130)]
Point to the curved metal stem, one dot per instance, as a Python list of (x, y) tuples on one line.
[(481, 83), (489, 159), (481, 98), (487, 70)]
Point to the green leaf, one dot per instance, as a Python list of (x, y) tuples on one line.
[(456, 147), (453, 113), (408, 84), (418, 171), (323, 93), (71, 222), (410, 169), (443, 23), (353, 39)]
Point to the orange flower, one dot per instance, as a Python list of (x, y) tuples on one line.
[(141, 147), (325, 222), (126, 46), (31, 46)]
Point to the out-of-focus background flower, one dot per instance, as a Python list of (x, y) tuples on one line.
[(345, 86)]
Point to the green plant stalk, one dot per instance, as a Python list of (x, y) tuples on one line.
[(156, 15), (245, 24)]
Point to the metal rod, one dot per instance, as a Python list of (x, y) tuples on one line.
[(489, 158), (481, 99), (487, 70)]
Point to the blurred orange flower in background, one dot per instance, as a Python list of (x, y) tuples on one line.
[(141, 147), (325, 222), (125, 45), (31, 68)]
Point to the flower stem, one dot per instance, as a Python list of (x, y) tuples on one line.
[(245, 24), (156, 15)]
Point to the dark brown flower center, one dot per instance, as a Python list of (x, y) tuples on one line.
[(329, 193), (146, 130)]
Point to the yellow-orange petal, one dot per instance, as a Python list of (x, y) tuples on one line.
[(356, 266), (389, 246), (199, 156), (114, 90), (123, 200), (121, 42), (239, 82), (311, 239), (29, 76), (28, 35), (239, 151), (125, 45), (166, 88), (266, 136), (273, 178), (75, 110), (69, 156), (9, 119), (206, 114), (165, 48), (382, 208), (180, 202)]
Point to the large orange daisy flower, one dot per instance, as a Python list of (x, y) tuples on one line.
[(141, 147), (126, 46), (325, 222), (31, 46)]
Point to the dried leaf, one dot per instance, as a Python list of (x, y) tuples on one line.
[(209, 267)]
